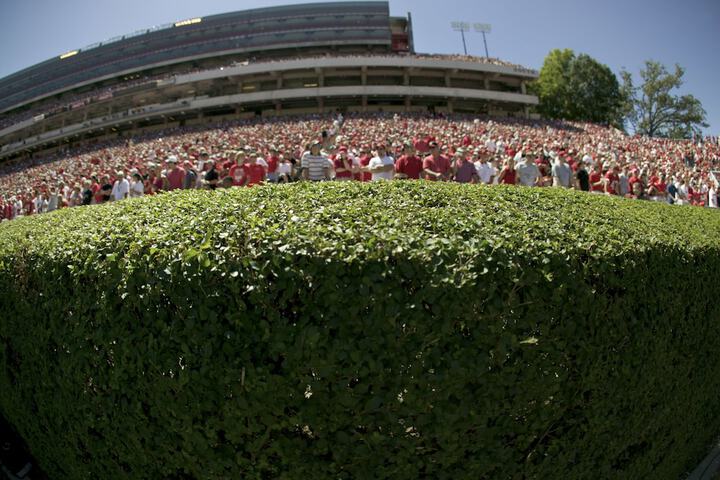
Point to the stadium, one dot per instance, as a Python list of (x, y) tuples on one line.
[(313, 58)]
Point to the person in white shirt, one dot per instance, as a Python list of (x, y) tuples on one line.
[(485, 170), (41, 203), (137, 188), (121, 188), (382, 166), (561, 173), (712, 196)]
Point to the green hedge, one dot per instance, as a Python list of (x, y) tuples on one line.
[(343, 330)]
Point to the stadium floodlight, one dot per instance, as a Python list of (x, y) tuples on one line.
[(461, 27), (483, 28)]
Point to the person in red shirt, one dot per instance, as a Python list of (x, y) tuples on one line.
[(436, 166), (272, 160), (508, 175), (157, 180), (237, 171), (344, 168), (408, 165), (612, 181), (597, 183), (364, 161), (422, 144), (176, 174), (657, 186), (634, 178), (254, 172)]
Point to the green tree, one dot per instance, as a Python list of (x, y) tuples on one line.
[(652, 109), (578, 88)]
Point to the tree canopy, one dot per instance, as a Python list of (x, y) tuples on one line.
[(652, 109), (578, 88)]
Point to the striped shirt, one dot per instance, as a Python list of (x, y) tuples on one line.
[(316, 166)]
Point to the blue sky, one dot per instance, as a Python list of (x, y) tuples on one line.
[(621, 34)]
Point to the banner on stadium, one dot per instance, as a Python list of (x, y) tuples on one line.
[(37, 118)]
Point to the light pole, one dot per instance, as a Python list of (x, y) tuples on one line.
[(483, 28), (461, 27)]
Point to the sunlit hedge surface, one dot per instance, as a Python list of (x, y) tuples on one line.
[(345, 331)]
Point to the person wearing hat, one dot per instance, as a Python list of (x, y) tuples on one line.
[(463, 170), (382, 166), (314, 165), (408, 165), (343, 164), (435, 165), (175, 174)]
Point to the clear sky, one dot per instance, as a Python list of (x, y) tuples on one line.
[(619, 33)]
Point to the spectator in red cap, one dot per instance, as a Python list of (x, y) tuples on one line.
[(343, 164)]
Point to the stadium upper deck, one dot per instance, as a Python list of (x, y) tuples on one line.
[(261, 30)]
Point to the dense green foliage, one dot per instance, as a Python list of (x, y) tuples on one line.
[(652, 108), (345, 330), (578, 87)]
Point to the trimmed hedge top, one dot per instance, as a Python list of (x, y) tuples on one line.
[(350, 330)]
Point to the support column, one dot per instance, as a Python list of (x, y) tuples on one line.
[(450, 105), (279, 82), (407, 104), (523, 88), (447, 79), (364, 103), (321, 105), (364, 76), (406, 77)]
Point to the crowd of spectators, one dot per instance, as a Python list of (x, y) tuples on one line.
[(70, 102), (368, 147)]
